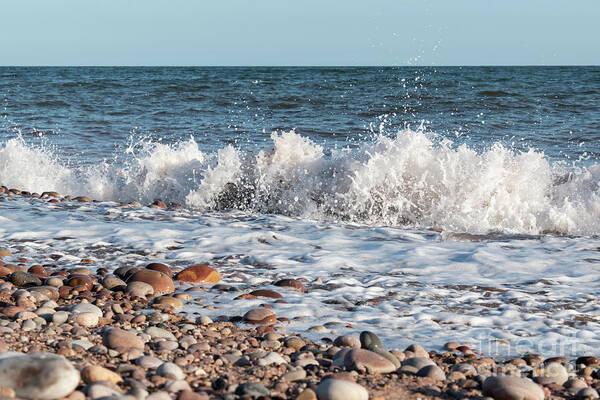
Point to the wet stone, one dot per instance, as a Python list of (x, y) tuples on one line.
[(260, 316), (347, 341), (370, 341), (24, 279)]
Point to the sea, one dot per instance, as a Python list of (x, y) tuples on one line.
[(425, 204)]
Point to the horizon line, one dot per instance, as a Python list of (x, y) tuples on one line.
[(284, 66)]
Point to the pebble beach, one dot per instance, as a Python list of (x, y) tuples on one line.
[(88, 328)]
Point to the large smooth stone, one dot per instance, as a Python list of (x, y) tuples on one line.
[(96, 373), (24, 279), (512, 388), (364, 360), (556, 372), (414, 364), (336, 389), (86, 308), (160, 267), (39, 376), (433, 372), (198, 274), (160, 282), (169, 369), (370, 341), (347, 341), (114, 338), (260, 316), (156, 332)]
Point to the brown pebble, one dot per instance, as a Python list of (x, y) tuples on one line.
[(260, 316)]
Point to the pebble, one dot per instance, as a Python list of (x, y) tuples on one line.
[(189, 395), (98, 390), (587, 393), (512, 388), (82, 344), (38, 376), (204, 320), (464, 368), (271, 358), (556, 372), (86, 308), (347, 341), (294, 342), (271, 294), (24, 279), (292, 284), (60, 317), (87, 319), (95, 373), (414, 364), (260, 316), (370, 341), (177, 386), (5, 253), (451, 346), (294, 375), (148, 362), (364, 360), (139, 289), (252, 389), (111, 282), (417, 350), (28, 325), (156, 332), (198, 274), (169, 369), (114, 338), (433, 372), (575, 384), (160, 267), (161, 283), (336, 389)]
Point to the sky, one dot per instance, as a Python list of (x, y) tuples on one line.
[(306, 32)]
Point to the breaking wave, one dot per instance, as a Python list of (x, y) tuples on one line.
[(413, 180)]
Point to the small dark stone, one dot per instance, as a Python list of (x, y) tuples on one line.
[(219, 384), (252, 389), (370, 341), (24, 279)]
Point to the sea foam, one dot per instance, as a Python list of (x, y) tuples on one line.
[(413, 179)]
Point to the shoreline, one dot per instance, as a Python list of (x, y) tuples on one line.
[(70, 310)]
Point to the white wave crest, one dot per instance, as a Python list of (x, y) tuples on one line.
[(408, 180)]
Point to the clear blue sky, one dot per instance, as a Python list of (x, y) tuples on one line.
[(300, 32)]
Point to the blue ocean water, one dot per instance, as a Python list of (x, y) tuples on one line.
[(89, 111)]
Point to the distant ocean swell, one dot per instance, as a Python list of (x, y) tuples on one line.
[(411, 180)]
